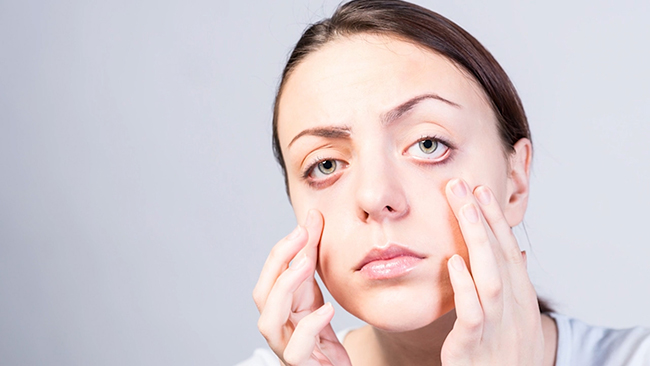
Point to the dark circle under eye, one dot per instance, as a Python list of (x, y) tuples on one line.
[(327, 166), (428, 146)]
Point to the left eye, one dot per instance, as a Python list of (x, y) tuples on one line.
[(324, 168), (428, 148)]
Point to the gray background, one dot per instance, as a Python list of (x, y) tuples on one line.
[(139, 197)]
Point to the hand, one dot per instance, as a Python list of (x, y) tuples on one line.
[(293, 318), (498, 320)]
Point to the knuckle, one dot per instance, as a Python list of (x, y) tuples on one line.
[(499, 218), (484, 240), (472, 322), (261, 326), (275, 252), (304, 325), (264, 327), (283, 282), (493, 289), (515, 257), (279, 252), (289, 357), (257, 296)]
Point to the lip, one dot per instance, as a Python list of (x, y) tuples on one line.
[(388, 262)]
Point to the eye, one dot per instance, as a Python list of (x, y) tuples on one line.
[(429, 148), (323, 168)]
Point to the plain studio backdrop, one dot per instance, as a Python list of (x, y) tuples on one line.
[(139, 197)]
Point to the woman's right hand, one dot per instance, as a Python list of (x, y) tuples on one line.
[(293, 318)]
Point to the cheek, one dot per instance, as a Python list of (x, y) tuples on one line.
[(338, 244), (336, 234)]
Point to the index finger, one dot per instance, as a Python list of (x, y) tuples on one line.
[(304, 239), (277, 262)]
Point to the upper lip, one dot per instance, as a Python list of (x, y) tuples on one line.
[(388, 252)]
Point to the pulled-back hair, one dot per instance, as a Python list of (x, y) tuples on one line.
[(424, 28)]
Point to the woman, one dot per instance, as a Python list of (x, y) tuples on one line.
[(406, 155)]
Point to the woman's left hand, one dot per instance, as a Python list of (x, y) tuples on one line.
[(498, 321)]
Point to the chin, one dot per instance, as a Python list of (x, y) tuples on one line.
[(400, 308)]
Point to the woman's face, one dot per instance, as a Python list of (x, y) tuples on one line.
[(372, 129)]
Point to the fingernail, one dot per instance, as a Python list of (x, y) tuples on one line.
[(483, 196), (294, 234), (298, 262), (470, 213), (458, 187), (324, 309), (457, 262)]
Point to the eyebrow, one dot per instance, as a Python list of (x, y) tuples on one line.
[(403, 108), (343, 132), (332, 132)]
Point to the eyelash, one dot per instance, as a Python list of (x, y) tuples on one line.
[(317, 160), (314, 163), (438, 139)]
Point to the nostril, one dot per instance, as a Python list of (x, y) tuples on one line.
[(390, 209)]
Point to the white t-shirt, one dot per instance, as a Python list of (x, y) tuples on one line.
[(583, 344), (578, 344)]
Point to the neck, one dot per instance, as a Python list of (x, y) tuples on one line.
[(375, 347), (416, 347)]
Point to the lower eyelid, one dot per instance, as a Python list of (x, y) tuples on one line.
[(321, 182), (444, 157)]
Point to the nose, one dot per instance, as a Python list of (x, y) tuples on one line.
[(379, 191)]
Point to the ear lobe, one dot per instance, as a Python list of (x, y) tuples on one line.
[(518, 182)]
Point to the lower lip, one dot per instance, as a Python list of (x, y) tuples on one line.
[(389, 268)]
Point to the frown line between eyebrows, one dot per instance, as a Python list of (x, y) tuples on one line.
[(395, 113), (332, 132)]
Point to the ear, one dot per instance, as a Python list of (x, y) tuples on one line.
[(518, 182)]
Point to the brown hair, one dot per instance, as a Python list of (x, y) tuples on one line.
[(427, 29)]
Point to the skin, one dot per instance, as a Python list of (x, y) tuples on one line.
[(469, 299)]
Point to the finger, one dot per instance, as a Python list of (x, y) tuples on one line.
[(277, 262), (499, 225), (307, 296), (515, 262), (308, 293), (314, 227), (306, 335), (277, 309), (483, 261), (469, 314)]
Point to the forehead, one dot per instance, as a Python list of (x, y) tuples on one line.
[(352, 78)]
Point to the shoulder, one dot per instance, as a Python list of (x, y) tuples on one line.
[(583, 344), (266, 357)]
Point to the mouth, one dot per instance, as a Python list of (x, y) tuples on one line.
[(388, 262)]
